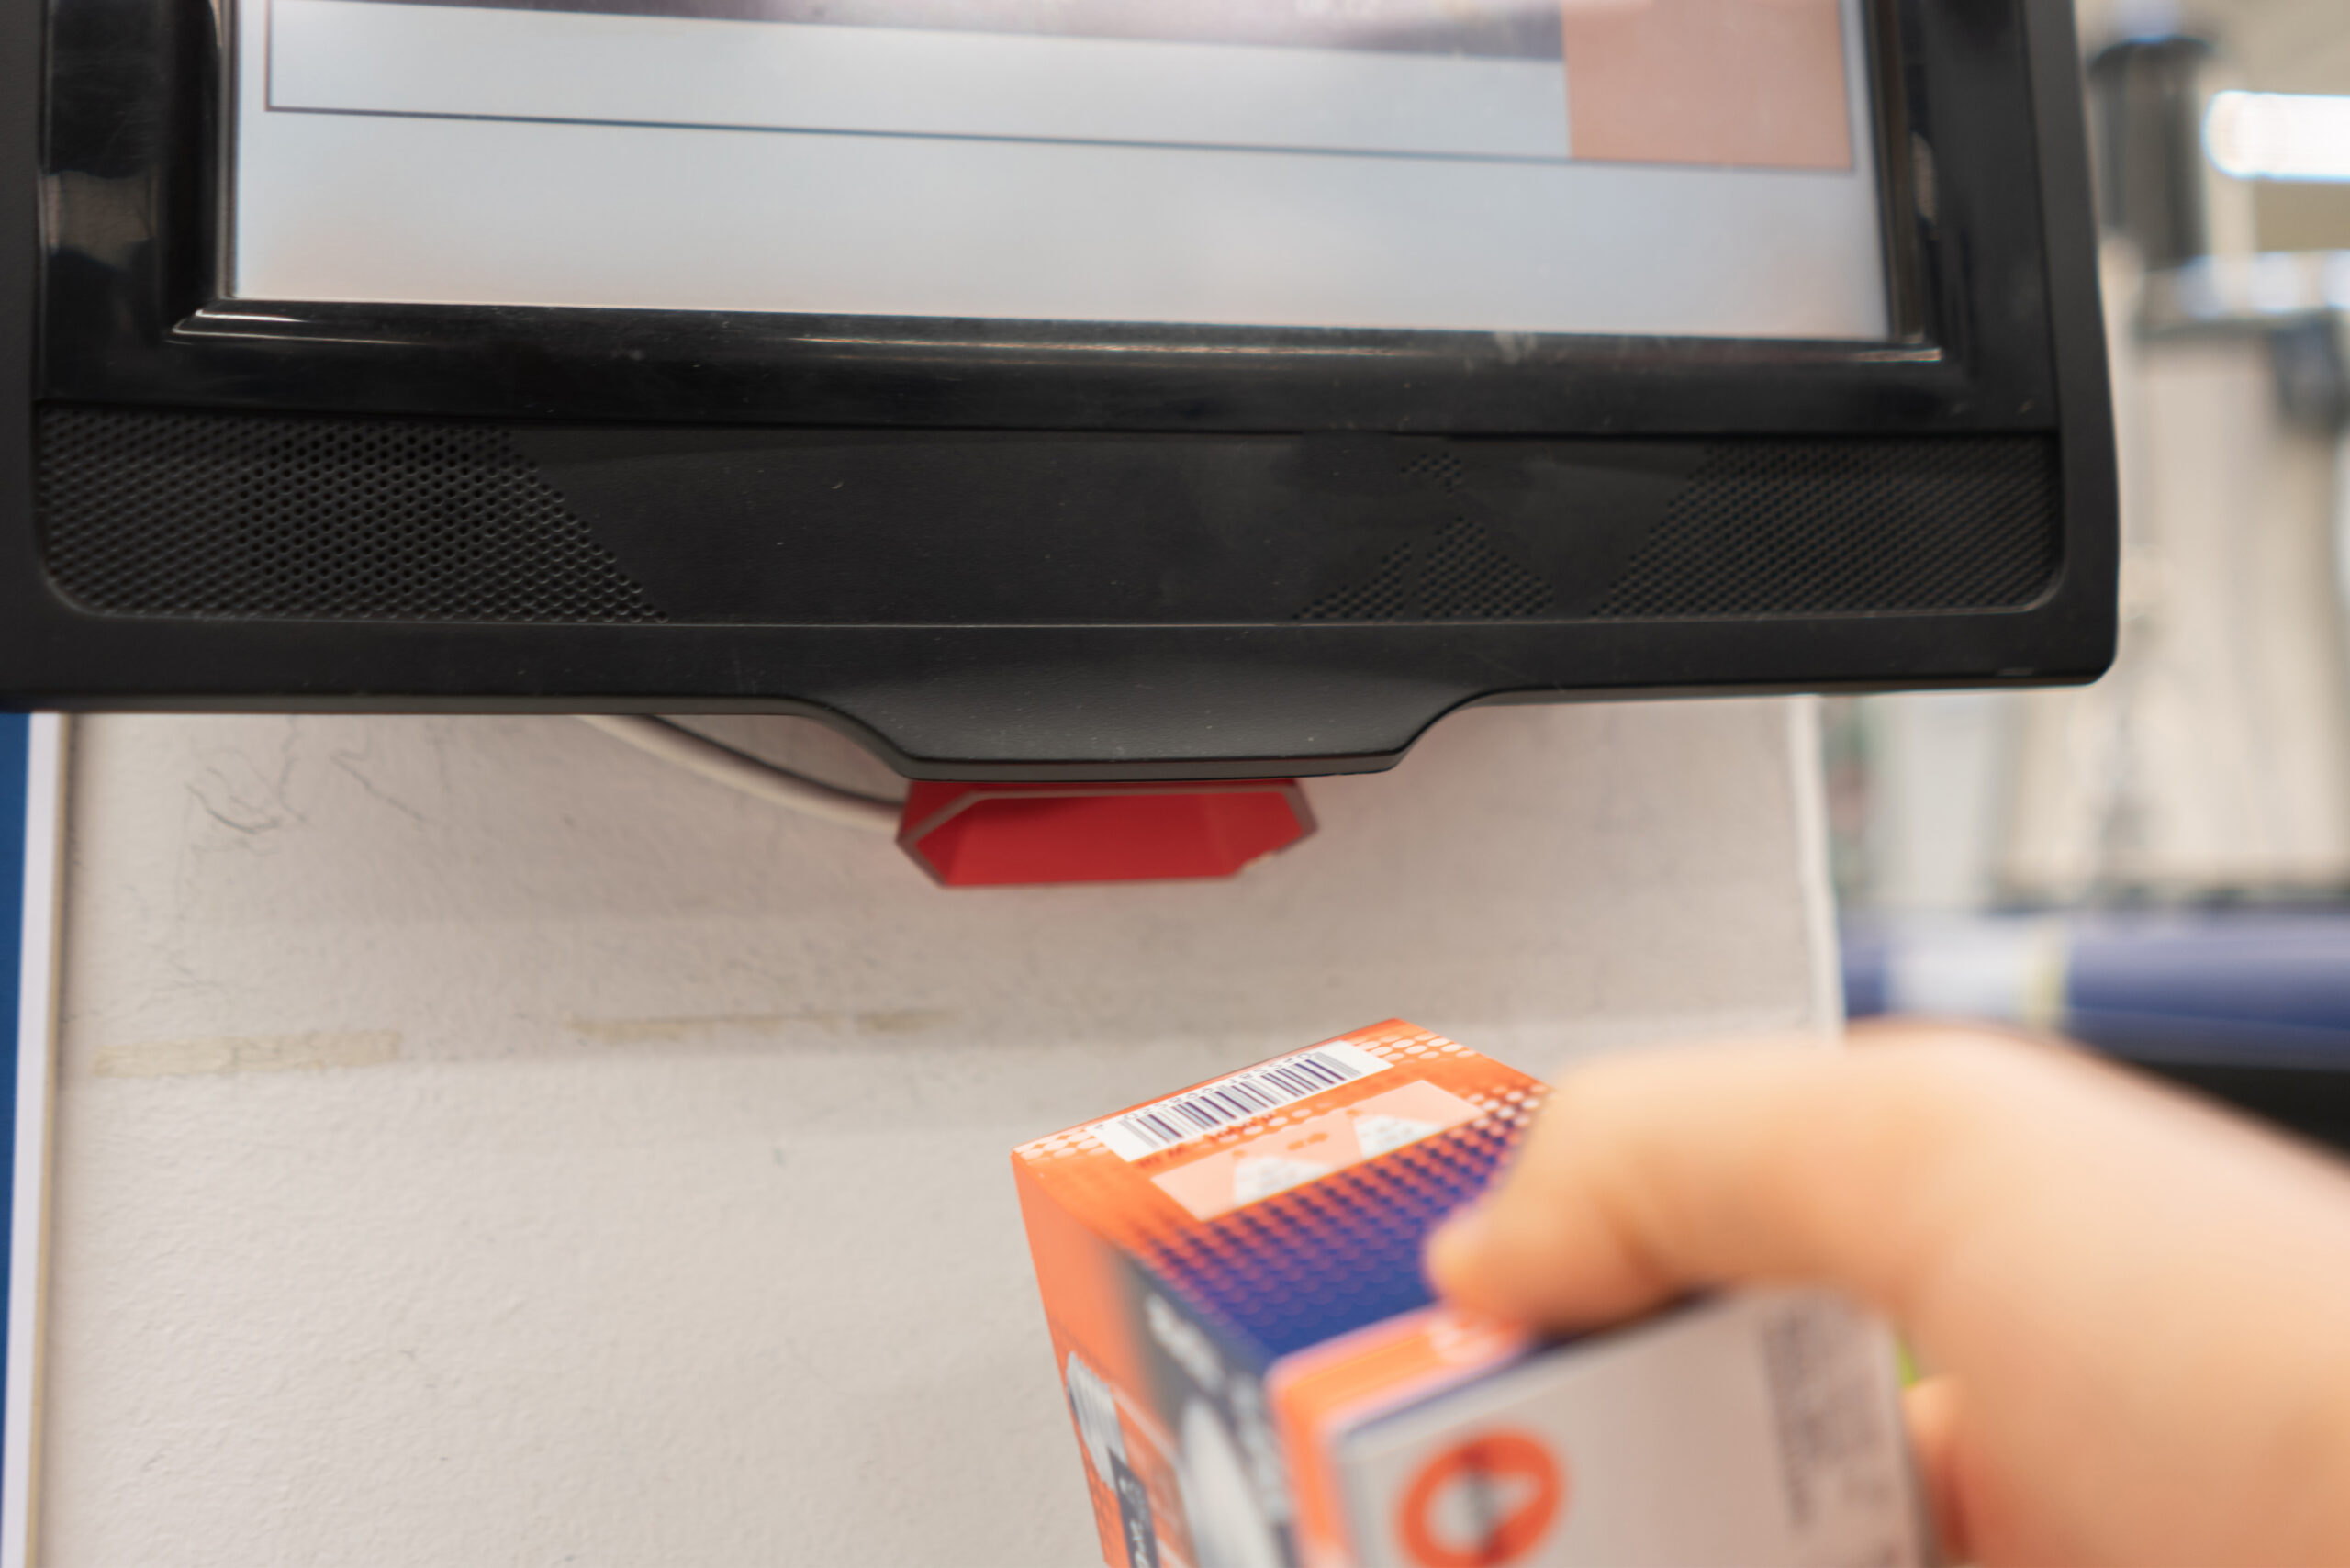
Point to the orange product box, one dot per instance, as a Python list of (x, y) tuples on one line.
[(1261, 1378)]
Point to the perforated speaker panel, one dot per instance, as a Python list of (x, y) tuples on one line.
[(1456, 574), (149, 513), (158, 513), (1815, 527)]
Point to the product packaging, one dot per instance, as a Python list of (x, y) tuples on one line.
[(1259, 1376)]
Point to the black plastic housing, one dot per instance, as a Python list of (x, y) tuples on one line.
[(1022, 549)]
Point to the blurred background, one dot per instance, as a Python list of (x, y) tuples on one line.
[(2160, 864)]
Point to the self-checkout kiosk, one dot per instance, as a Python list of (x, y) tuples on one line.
[(1087, 439)]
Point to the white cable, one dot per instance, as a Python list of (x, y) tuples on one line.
[(720, 764)]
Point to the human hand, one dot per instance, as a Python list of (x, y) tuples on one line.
[(2137, 1309)]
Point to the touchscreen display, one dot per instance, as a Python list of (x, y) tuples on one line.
[(1686, 167)]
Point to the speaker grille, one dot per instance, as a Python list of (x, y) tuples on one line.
[(157, 513), (1767, 527), (1954, 522), (147, 513), (1456, 574)]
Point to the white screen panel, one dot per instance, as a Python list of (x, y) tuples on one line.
[(1699, 167)]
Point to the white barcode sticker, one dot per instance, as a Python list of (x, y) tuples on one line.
[(1228, 1101)]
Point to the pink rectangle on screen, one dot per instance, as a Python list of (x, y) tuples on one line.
[(1312, 1147), (1754, 83)]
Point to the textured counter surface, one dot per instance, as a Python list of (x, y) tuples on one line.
[(479, 1144)]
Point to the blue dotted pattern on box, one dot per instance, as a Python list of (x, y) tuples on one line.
[(1335, 1254)]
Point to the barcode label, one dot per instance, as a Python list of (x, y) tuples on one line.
[(1179, 1118)]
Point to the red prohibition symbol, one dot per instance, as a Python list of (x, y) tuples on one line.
[(1486, 1502)]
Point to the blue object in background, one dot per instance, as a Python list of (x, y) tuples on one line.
[(2228, 986)]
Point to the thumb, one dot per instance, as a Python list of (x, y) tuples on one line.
[(1651, 1175)]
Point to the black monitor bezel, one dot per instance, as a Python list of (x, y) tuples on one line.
[(1987, 174)]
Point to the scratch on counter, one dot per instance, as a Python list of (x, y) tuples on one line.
[(254, 805), (659, 1031), (233, 824), (247, 1053), (348, 762)]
